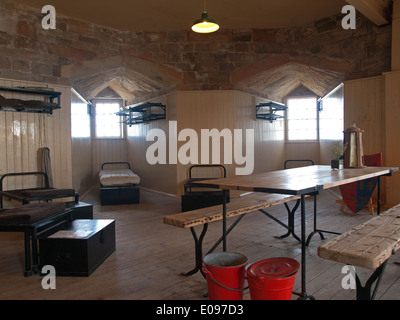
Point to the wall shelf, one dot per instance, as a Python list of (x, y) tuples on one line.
[(144, 113), (36, 106), (268, 111)]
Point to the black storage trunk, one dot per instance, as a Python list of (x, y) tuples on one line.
[(119, 195), (80, 210), (78, 255), (192, 200), (200, 199)]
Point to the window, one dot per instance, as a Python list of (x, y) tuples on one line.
[(302, 118), (107, 123), (80, 119), (331, 115)]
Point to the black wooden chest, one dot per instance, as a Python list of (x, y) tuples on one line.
[(80, 210), (79, 249), (119, 195), (201, 199)]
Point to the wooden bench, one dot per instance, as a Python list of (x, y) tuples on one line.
[(368, 245), (238, 207)]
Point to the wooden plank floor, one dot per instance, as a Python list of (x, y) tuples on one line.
[(150, 255)]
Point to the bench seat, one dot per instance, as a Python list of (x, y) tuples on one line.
[(238, 206), (367, 245)]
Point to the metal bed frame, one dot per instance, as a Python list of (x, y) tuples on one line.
[(45, 193), (114, 195), (192, 200), (34, 230)]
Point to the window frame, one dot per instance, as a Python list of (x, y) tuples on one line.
[(93, 124), (321, 109), (317, 139)]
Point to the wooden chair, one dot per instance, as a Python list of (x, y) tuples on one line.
[(372, 160)]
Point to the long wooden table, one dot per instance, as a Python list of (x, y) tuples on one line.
[(298, 181)]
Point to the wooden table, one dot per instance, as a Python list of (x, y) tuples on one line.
[(298, 181)]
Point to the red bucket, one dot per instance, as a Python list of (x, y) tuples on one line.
[(225, 275), (272, 279)]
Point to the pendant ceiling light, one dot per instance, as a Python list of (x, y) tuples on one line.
[(205, 24)]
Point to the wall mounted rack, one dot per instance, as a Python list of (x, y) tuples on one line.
[(143, 113), (269, 111), (36, 106)]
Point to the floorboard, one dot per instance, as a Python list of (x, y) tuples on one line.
[(150, 255)]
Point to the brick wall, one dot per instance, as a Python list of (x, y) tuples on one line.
[(182, 59)]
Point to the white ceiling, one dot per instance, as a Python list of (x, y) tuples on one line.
[(159, 15)]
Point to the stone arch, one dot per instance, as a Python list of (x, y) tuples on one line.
[(134, 79), (275, 77)]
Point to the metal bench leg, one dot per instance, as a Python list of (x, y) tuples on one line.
[(198, 245), (27, 241), (35, 262), (364, 293)]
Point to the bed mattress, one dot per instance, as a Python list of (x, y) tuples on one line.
[(118, 177)]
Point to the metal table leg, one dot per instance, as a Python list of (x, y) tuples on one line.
[(378, 205), (303, 294), (290, 225), (224, 220), (233, 225), (315, 225)]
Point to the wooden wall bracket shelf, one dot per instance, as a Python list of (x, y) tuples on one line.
[(35, 106)]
